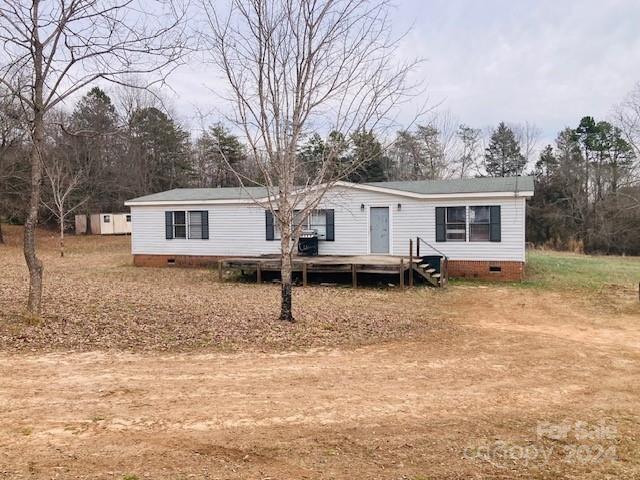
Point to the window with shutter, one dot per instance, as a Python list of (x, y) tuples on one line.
[(205, 224), (270, 228), (168, 225), (441, 228), (496, 224), (320, 221)]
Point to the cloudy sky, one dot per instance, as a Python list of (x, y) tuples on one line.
[(548, 62)]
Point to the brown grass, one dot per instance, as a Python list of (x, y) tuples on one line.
[(95, 299), (462, 391)]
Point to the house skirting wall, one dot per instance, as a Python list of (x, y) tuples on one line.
[(175, 260), (487, 270)]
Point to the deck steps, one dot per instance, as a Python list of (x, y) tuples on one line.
[(430, 274)]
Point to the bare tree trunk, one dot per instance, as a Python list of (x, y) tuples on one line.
[(33, 262), (1, 236), (61, 234), (286, 307)]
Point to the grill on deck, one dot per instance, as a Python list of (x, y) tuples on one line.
[(308, 243)]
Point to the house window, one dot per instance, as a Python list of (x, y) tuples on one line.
[(316, 221), (195, 225), (179, 225), (187, 224), (107, 218), (128, 218), (479, 224), (456, 224)]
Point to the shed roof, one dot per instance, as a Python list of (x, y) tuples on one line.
[(420, 187)]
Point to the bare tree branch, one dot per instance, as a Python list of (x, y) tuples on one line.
[(299, 66), (50, 50)]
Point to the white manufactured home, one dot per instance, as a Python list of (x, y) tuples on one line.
[(477, 224)]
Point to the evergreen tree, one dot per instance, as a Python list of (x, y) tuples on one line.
[(159, 151), (367, 162), (219, 155), (324, 158), (95, 112), (96, 149), (503, 157), (311, 154), (407, 156), (614, 158), (547, 163)]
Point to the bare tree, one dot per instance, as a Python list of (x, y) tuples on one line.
[(627, 118), (53, 49), (62, 183), (468, 157), (527, 136), (295, 66)]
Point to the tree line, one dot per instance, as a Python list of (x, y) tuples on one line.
[(587, 194), (108, 150)]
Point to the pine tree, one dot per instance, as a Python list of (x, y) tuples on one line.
[(96, 150), (368, 162), (160, 150), (503, 157), (220, 153), (547, 163)]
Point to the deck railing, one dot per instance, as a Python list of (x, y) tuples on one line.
[(420, 240), (444, 260)]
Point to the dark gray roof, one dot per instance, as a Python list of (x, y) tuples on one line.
[(462, 185)]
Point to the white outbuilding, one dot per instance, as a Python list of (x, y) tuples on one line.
[(104, 224)]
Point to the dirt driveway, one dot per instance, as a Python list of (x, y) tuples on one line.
[(508, 395)]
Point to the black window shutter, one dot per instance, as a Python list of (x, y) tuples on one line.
[(168, 225), (331, 229), (441, 227), (495, 234), (205, 224), (269, 223)]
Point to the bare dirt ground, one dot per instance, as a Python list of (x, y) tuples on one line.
[(480, 382)]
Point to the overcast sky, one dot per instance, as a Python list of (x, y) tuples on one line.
[(548, 62)]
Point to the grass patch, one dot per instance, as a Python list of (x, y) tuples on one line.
[(560, 270), (552, 270)]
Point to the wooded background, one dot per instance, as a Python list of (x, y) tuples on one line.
[(116, 146)]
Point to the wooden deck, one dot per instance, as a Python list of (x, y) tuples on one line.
[(369, 264)]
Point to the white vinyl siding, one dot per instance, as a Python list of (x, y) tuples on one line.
[(239, 229)]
